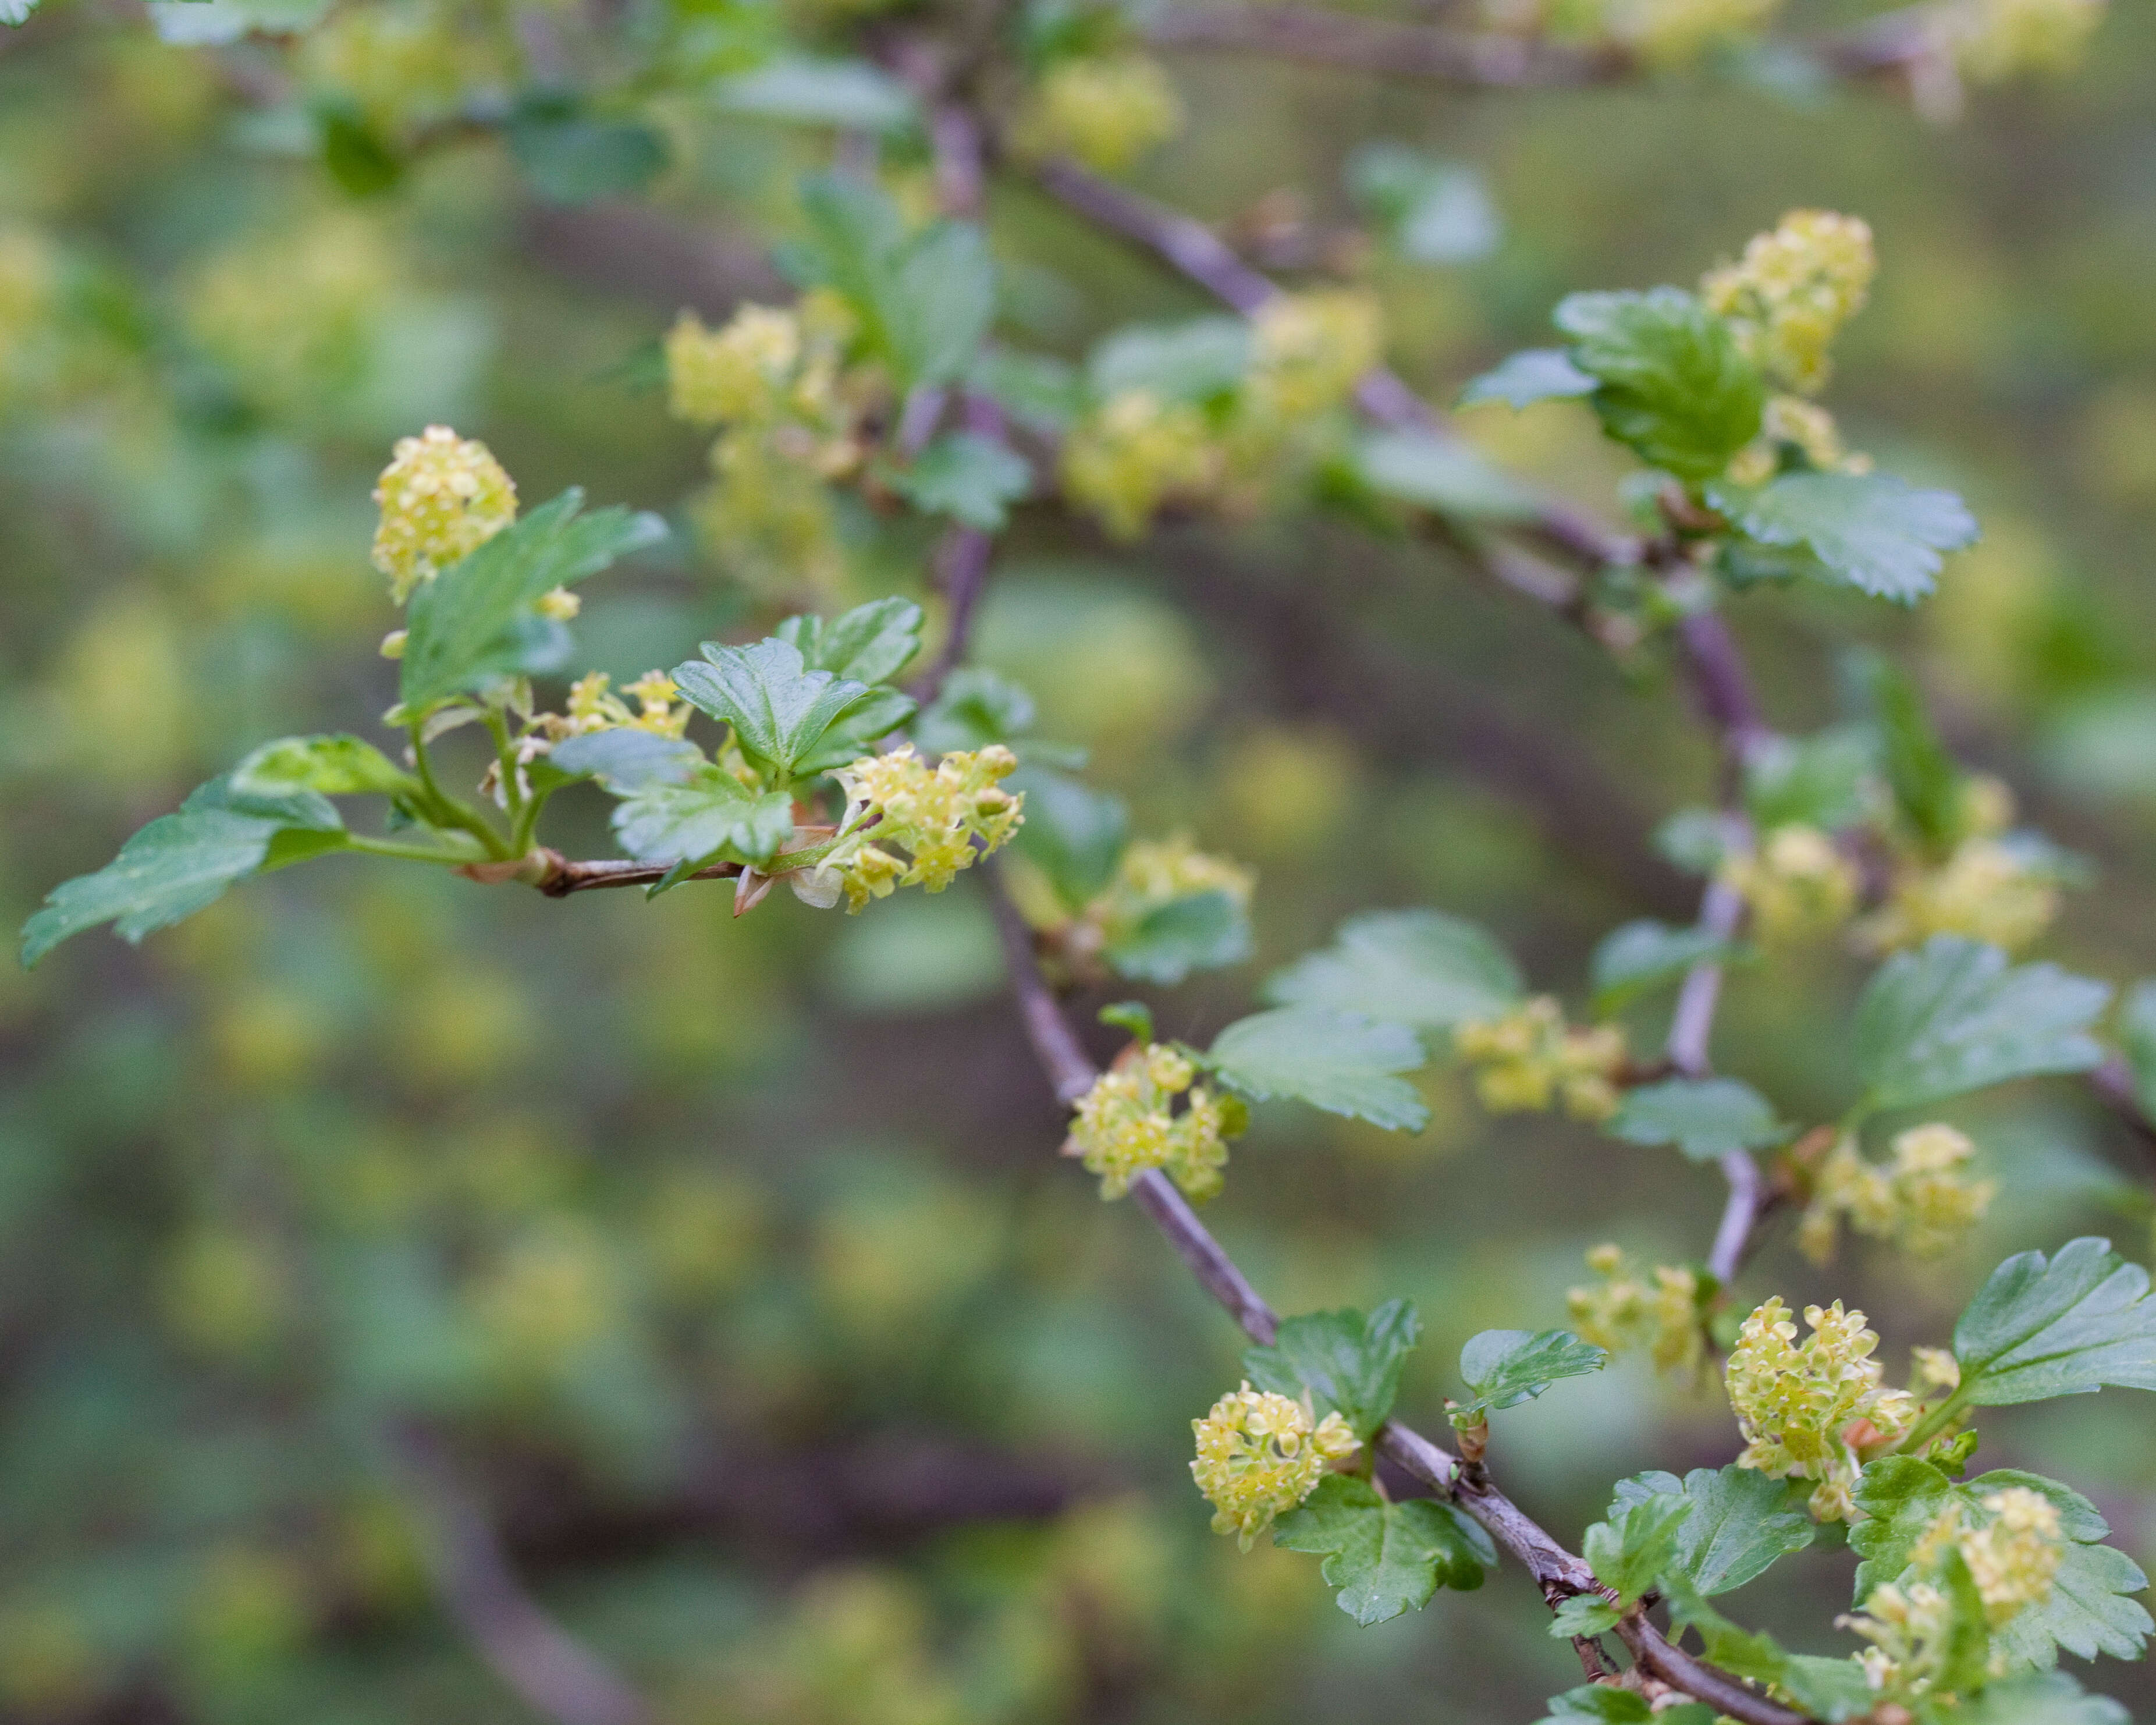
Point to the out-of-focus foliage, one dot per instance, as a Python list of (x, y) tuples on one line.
[(728, 1263)]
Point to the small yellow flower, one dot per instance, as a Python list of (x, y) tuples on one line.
[(442, 497), (1105, 109), (1796, 884), (1529, 1060), (943, 817), (1658, 1312), (737, 372), (1923, 1200), (1309, 350), (1999, 39), (560, 604), (1134, 453), (1807, 1409), (1986, 891), (1127, 1123), (1792, 291), (593, 706), (1260, 1453)]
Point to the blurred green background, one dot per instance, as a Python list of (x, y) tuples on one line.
[(728, 1264)]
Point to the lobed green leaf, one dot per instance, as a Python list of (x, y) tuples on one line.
[(1671, 384), (1706, 1118), (1385, 1559), (2064, 1325), (1346, 1364), (1872, 532), (1501, 1368), (1339, 1062), (1741, 1522), (1420, 968)]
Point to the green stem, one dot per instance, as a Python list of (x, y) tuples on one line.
[(1933, 1424), (410, 853), (505, 755), (451, 812)]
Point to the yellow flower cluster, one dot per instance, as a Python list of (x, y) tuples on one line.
[(1986, 890), (1813, 1409), (1658, 1312), (1260, 1453), (1797, 885), (1675, 33), (442, 498), (1106, 110), (1923, 1200), (938, 815), (1127, 1123), (402, 63), (1792, 419), (1792, 291), (2007, 39), (1308, 350), (776, 382), (1155, 872), (1529, 1060), (1134, 453), (295, 314), (2013, 1556), (593, 706)]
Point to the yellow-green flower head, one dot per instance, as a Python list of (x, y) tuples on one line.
[(1260, 1453), (1675, 33), (1128, 1122), (1792, 291), (1658, 1312), (1923, 1200), (1986, 891), (442, 498), (943, 817), (736, 372), (1132, 453), (1797, 885), (2009, 39), (402, 64), (1154, 873), (593, 706), (1529, 1060), (2013, 1547), (1105, 109), (1308, 350), (1807, 1409), (1792, 419)]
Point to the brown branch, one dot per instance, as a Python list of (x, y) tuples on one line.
[(555, 1674)]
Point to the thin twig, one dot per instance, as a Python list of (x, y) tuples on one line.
[(555, 1674)]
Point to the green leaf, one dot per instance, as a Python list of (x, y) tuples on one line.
[(1631, 1549), (1813, 781), (1337, 1061), (1073, 834), (1631, 960), (333, 765), (354, 154), (778, 708), (1348, 1364), (1613, 1705), (1672, 385), (975, 707), (1704, 1117), (2052, 1698), (1740, 1523), (869, 643), (15, 12), (1434, 212), (182, 862), (2091, 1608), (1584, 1615), (2062, 1326), (569, 157), (1446, 475), (1532, 375), (1920, 769), (851, 94), (1203, 931), (1199, 360), (926, 299), (1829, 1689), (1501, 1368), (710, 814), (1385, 1559), (1952, 1017), (1876, 533), (972, 478), (2137, 1042), (1740, 1652), (478, 620), (625, 758), (1697, 841), (1040, 391), (1416, 967)]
